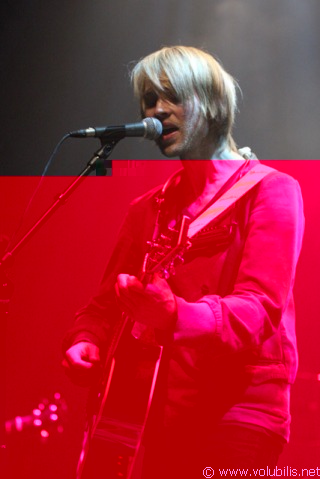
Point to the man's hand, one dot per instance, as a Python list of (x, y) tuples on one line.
[(153, 304), (82, 363)]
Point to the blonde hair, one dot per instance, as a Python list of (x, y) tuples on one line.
[(191, 71)]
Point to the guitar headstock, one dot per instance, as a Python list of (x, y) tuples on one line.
[(167, 251)]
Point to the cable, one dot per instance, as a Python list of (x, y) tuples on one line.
[(24, 214)]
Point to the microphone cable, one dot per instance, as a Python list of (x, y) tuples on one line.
[(33, 195)]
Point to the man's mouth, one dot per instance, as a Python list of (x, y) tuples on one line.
[(168, 132)]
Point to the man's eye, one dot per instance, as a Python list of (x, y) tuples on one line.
[(150, 100), (171, 96)]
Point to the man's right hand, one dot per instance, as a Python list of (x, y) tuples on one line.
[(82, 363)]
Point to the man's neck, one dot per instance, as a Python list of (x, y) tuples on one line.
[(205, 177)]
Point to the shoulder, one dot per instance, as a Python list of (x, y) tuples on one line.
[(278, 198), (279, 184), (143, 209), (144, 205), (167, 189), (274, 179), (147, 198)]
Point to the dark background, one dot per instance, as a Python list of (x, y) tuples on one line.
[(65, 66)]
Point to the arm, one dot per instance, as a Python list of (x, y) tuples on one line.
[(251, 313), (87, 339), (94, 321)]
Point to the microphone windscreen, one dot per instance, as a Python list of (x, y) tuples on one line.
[(153, 128)]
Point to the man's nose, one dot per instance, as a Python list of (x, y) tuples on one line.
[(161, 107)]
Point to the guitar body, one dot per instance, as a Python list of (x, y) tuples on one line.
[(117, 413), (118, 408)]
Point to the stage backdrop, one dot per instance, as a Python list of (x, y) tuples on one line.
[(65, 66)]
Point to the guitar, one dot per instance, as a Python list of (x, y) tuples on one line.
[(116, 420), (117, 415)]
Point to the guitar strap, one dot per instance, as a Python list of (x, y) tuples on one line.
[(229, 198)]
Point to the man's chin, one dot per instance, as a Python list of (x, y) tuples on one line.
[(169, 151)]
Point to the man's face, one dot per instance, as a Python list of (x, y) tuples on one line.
[(185, 129)]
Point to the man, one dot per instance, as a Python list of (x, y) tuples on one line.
[(226, 318)]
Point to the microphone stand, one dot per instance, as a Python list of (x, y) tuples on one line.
[(103, 167)]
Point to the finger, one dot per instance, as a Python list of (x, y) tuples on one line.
[(91, 353), (134, 284), (80, 364), (121, 288), (122, 280), (125, 304), (159, 281), (128, 292), (84, 360), (127, 283)]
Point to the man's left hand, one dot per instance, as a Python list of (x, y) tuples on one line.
[(152, 304)]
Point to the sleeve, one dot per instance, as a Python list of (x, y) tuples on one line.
[(252, 312), (94, 322)]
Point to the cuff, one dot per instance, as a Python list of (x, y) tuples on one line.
[(196, 323)]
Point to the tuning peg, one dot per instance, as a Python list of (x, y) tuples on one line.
[(178, 260), (166, 273)]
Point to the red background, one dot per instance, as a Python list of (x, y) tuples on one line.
[(57, 271)]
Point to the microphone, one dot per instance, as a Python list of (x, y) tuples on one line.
[(149, 128)]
